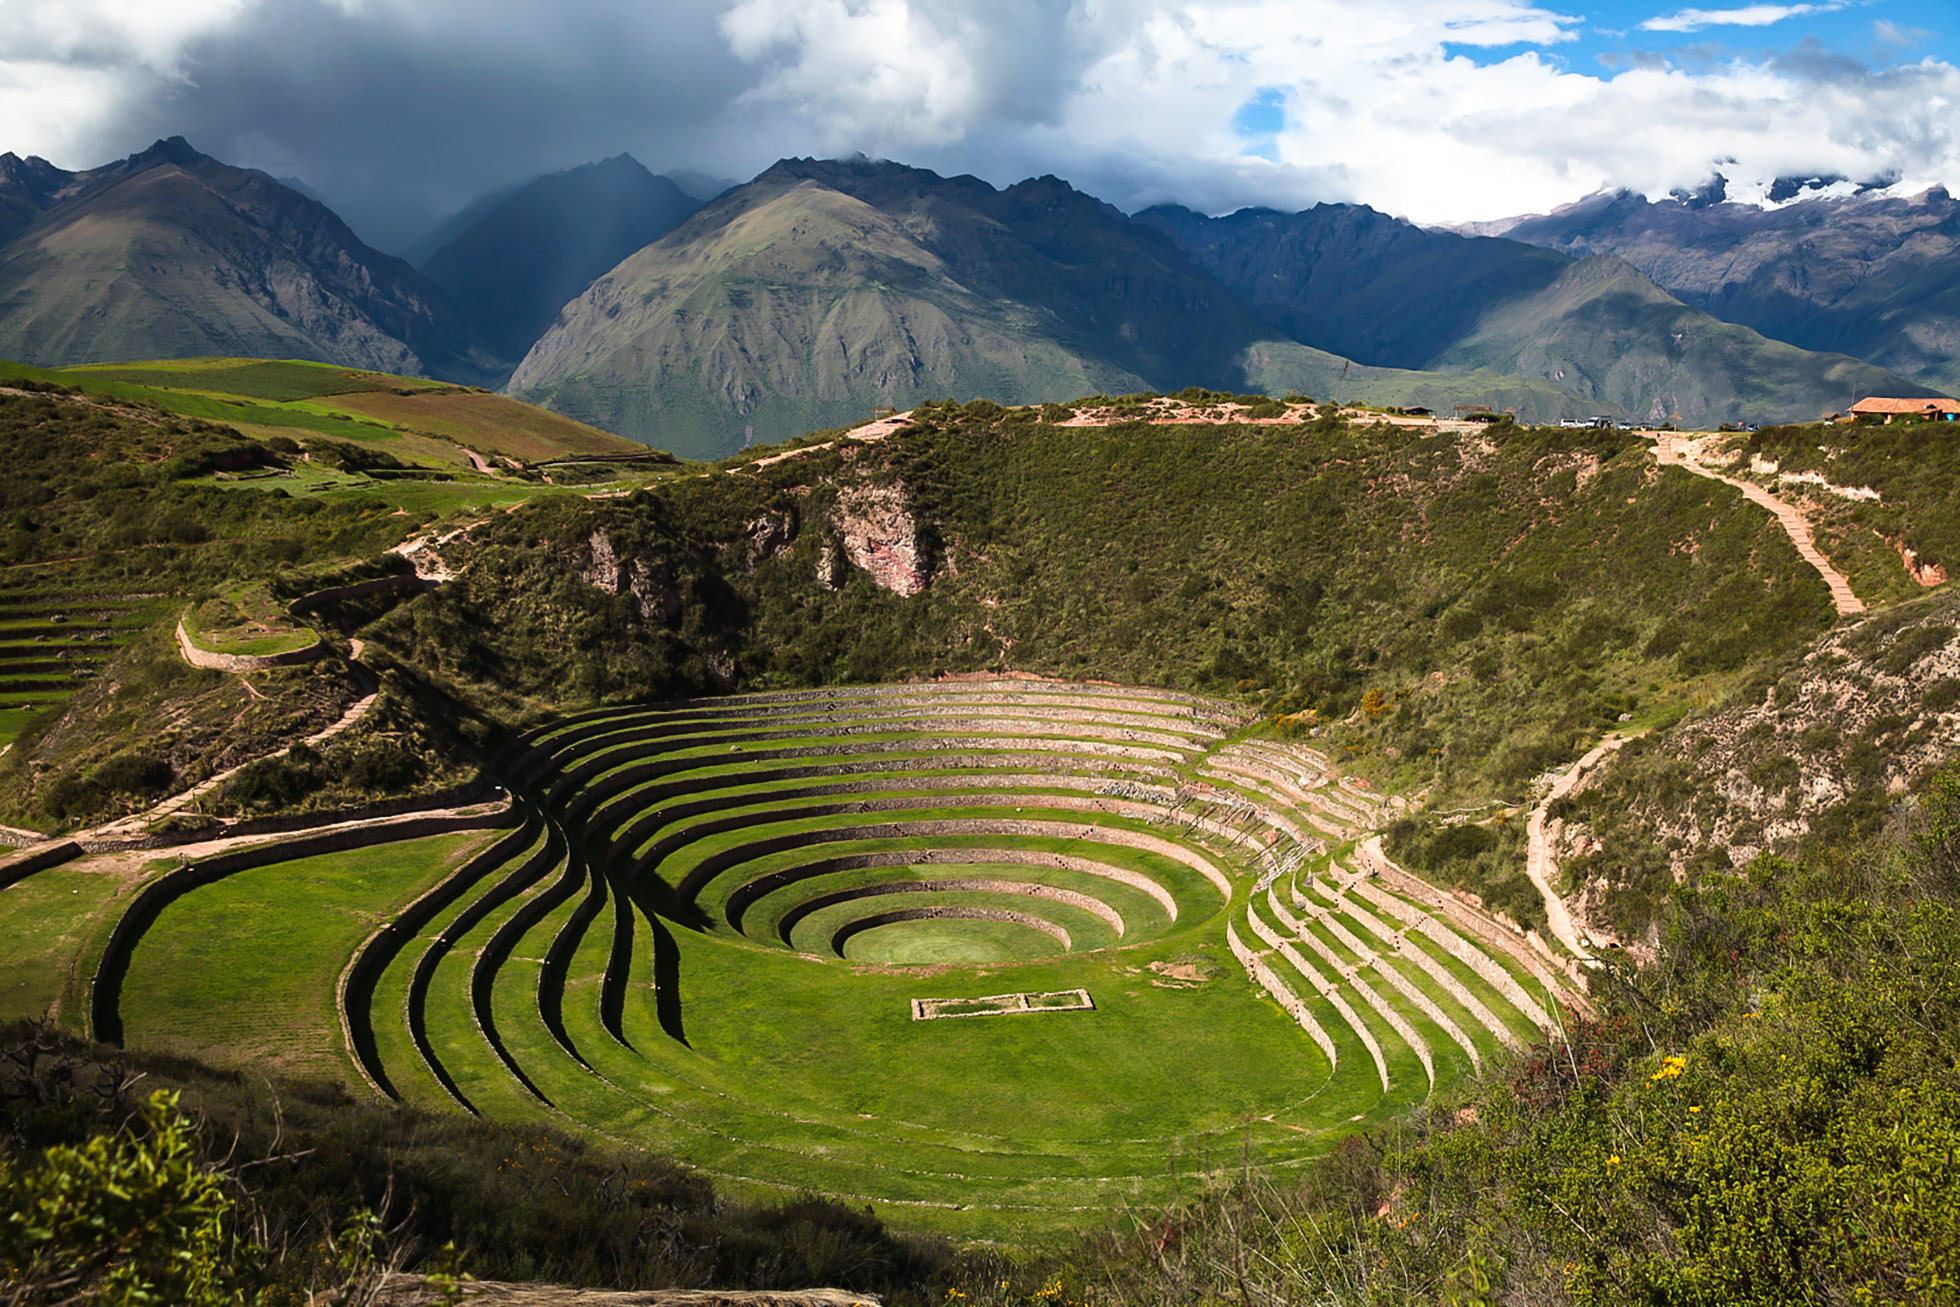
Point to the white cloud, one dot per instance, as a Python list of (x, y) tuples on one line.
[(66, 66), (1404, 104), (1694, 20), (1382, 105), (873, 74)]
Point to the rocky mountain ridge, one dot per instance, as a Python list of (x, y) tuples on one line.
[(1345, 278), (172, 254), (1868, 274), (519, 260)]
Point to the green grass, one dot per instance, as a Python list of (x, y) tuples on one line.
[(426, 421), (944, 942), (791, 1069), (47, 919), (278, 380), (243, 971), (246, 620)]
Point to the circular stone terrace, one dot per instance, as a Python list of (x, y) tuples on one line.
[(732, 928)]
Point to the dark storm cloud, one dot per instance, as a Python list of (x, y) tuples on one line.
[(397, 117)]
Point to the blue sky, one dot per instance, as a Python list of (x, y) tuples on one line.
[(1614, 35)]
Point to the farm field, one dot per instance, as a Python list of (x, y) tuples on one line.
[(429, 423), (245, 969), (755, 932)]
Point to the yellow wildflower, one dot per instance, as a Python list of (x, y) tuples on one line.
[(1670, 1068)]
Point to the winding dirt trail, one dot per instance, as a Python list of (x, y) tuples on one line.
[(132, 826), (1671, 451), (1542, 866)]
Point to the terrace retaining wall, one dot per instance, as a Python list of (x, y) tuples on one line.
[(223, 662)]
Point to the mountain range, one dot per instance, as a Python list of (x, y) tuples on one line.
[(170, 254), (822, 289), (1876, 276), (1373, 287)]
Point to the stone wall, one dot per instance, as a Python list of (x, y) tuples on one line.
[(223, 662)]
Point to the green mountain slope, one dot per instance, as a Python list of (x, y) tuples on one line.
[(802, 309), (172, 254), (1606, 330)]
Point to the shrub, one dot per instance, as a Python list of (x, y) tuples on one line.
[(123, 1219), (135, 772)]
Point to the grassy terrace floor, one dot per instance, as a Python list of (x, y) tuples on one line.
[(703, 928)]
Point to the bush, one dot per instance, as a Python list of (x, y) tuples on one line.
[(136, 772), (123, 1219)]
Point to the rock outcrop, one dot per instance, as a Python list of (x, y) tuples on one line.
[(771, 533), (879, 534), (650, 581)]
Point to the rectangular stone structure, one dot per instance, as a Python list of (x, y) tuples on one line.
[(1002, 1005)]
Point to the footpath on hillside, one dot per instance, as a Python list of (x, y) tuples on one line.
[(1672, 451), (1541, 863)]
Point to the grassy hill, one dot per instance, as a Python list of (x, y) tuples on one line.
[(146, 493), (657, 938), (1303, 566)]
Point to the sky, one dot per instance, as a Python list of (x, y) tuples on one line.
[(400, 111)]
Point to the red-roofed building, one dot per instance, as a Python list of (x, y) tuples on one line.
[(1887, 410)]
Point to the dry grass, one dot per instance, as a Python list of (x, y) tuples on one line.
[(490, 423)]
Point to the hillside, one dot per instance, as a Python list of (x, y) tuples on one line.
[(172, 254), (822, 290), (511, 262), (1872, 276), (130, 511), (795, 302), (787, 308), (1344, 278), (1445, 571), (1604, 329)]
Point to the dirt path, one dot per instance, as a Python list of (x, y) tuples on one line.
[(1671, 451), (134, 824), (1541, 865), (870, 431)]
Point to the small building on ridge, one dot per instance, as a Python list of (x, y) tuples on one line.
[(1920, 407)]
